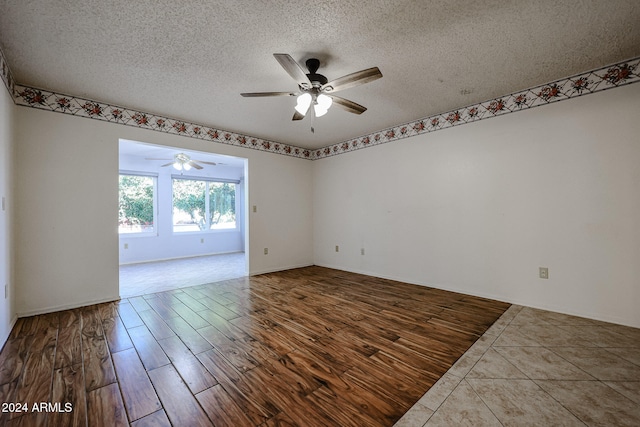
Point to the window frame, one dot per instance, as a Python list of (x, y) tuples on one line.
[(207, 181), (154, 177)]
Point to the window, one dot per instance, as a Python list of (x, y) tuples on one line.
[(200, 205), (136, 204)]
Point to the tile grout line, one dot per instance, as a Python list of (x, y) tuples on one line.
[(516, 309), (464, 378), (513, 307)]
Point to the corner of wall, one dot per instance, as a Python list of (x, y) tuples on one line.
[(7, 283)]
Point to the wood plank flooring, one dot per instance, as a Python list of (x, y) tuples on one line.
[(303, 347)]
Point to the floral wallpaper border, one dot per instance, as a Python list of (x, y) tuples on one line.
[(82, 107), (615, 75), (5, 74), (609, 77)]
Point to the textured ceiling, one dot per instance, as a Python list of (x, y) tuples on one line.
[(191, 59)]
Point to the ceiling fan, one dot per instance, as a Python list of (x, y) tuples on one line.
[(315, 89), (182, 161)]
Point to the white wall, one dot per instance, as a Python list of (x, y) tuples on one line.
[(66, 208), (163, 243), (479, 207), (7, 307)]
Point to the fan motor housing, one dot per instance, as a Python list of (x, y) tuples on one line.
[(317, 79)]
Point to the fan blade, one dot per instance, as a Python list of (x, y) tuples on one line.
[(194, 164), (347, 105), (168, 164), (256, 94), (206, 163), (153, 158), (351, 80), (294, 69)]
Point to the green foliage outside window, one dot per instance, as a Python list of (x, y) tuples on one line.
[(203, 205), (222, 203), (135, 211)]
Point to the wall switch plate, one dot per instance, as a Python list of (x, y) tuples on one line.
[(201, 240), (3, 203), (337, 248), (266, 251), (6, 291), (126, 246), (255, 209), (362, 251), (543, 272)]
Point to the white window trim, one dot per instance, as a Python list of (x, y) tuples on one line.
[(155, 204), (204, 179)]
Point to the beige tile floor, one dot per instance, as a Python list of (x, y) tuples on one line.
[(539, 368), (151, 277)]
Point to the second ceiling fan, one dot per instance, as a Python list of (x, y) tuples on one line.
[(315, 90), (182, 161)]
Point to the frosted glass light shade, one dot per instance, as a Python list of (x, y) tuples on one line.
[(323, 102), (304, 101)]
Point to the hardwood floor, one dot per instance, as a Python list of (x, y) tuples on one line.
[(306, 347)]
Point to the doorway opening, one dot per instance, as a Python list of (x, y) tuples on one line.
[(182, 218)]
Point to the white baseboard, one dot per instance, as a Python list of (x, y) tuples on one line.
[(66, 307), (273, 270), (12, 323), (510, 300), (180, 257)]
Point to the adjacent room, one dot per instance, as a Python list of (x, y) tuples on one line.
[(354, 213), (181, 218)]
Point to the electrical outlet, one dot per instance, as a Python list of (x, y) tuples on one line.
[(255, 209), (201, 240), (3, 203), (362, 251), (126, 246), (543, 272), (337, 248), (6, 291), (266, 251)]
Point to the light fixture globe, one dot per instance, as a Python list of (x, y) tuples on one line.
[(323, 102), (181, 162), (304, 101)]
